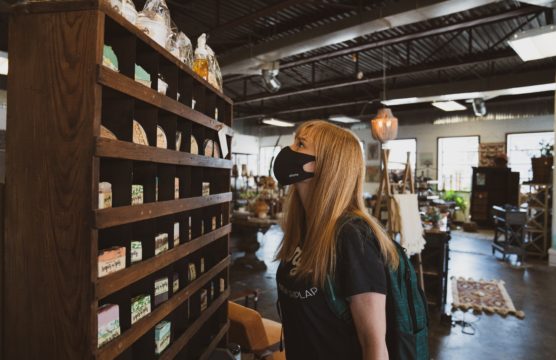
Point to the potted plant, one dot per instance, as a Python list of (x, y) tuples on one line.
[(542, 166)]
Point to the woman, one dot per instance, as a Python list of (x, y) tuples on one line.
[(327, 232)]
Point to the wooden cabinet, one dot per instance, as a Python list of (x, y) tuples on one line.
[(60, 95), (492, 186), (435, 259)]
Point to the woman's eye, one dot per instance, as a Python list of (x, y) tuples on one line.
[(300, 144)]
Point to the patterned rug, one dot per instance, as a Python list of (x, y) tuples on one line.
[(488, 296)]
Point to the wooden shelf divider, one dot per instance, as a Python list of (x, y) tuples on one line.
[(124, 341), (118, 149), (118, 280), (105, 218), (176, 347), (125, 85), (214, 343)]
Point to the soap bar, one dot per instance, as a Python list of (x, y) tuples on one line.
[(141, 76), (111, 260), (176, 234), (222, 285), (162, 86), (160, 290), (104, 195), (108, 323), (189, 227), (162, 333), (136, 194), (202, 265), (206, 189), (213, 223), (176, 188), (160, 243), (105, 133), (204, 300), (211, 290), (109, 58), (136, 251), (175, 283), (161, 140), (178, 140), (139, 134), (140, 307), (194, 146)]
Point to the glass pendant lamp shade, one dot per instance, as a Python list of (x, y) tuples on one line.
[(384, 126)]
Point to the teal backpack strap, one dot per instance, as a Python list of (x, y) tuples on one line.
[(337, 304)]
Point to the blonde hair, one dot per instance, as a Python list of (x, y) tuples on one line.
[(337, 191)]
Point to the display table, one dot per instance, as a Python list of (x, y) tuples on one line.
[(247, 228)]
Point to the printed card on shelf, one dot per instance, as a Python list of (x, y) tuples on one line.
[(176, 234), (191, 272), (202, 265), (176, 283), (160, 243), (222, 285), (162, 333), (176, 188), (160, 290), (223, 141), (136, 251), (206, 189), (104, 195), (189, 228), (211, 290), (108, 323), (136, 194), (213, 227), (111, 260), (140, 307)]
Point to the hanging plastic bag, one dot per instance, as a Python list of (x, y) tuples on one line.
[(171, 43), (215, 75), (155, 20), (205, 64), (128, 11), (185, 49), (116, 5)]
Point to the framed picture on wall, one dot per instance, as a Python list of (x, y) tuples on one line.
[(372, 174), (373, 151)]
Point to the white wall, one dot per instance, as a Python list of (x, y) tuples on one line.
[(3, 102), (427, 135), (245, 144)]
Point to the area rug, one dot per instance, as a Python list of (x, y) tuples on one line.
[(483, 296)]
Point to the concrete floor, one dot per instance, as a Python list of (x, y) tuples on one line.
[(532, 288)]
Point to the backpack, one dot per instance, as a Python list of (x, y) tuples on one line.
[(406, 311)]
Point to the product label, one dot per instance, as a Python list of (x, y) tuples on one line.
[(140, 307), (160, 286), (176, 234), (136, 251), (160, 243), (108, 332)]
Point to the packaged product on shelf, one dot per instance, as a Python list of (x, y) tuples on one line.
[(161, 140), (154, 20), (221, 220), (162, 334), (140, 307), (193, 102), (189, 228), (176, 234), (216, 150), (194, 146), (208, 147), (172, 41), (212, 290), (204, 300), (176, 188), (160, 290), (111, 260), (104, 195), (136, 251), (185, 49), (160, 243), (216, 114), (213, 227), (191, 272), (109, 58), (162, 86), (202, 265), (201, 61), (178, 140), (214, 73), (136, 194), (202, 227), (222, 285), (206, 188), (142, 76), (105, 133), (156, 188), (139, 134), (108, 323), (176, 283), (128, 11), (116, 5)]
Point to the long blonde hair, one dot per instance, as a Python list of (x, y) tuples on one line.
[(337, 190)]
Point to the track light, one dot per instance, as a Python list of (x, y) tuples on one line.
[(269, 74), (479, 107)]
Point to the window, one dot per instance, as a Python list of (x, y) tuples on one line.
[(522, 147), (456, 158), (266, 154), (398, 153)]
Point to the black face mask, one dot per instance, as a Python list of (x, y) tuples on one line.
[(288, 166)]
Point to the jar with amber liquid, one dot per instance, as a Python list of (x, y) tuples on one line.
[(201, 62)]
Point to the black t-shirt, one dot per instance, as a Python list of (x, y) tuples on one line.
[(311, 329)]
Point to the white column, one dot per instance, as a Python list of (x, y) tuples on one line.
[(552, 250)]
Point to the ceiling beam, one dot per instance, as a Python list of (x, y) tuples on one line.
[(406, 71), (496, 82), (264, 12), (397, 14), (489, 19)]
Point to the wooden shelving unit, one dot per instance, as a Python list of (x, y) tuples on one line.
[(538, 203), (60, 95)]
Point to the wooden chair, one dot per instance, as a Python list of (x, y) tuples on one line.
[(254, 333)]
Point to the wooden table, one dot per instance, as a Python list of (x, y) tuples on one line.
[(247, 228)]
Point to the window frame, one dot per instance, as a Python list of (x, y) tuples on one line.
[(522, 133), (438, 154)]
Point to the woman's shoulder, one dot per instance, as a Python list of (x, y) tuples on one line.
[(354, 228)]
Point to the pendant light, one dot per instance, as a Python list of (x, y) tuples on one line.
[(384, 126)]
